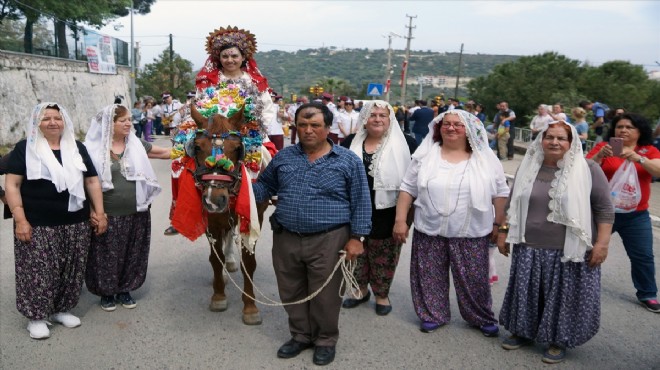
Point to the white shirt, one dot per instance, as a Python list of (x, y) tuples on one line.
[(172, 111), (335, 114), (275, 127), (292, 112), (540, 122), (158, 111), (347, 121), (442, 206)]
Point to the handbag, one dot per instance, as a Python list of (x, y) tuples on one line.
[(624, 188)]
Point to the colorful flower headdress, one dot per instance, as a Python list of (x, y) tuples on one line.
[(243, 39)]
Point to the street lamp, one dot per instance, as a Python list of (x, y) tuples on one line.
[(316, 90)]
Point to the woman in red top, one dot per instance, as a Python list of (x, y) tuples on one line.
[(635, 227)]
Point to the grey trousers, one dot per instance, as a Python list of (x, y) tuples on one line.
[(302, 265)]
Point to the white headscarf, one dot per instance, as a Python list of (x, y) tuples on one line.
[(483, 163), (134, 163), (41, 163), (391, 159), (570, 192)]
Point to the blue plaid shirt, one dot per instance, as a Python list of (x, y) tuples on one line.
[(317, 196)]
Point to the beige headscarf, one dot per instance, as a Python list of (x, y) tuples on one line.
[(391, 159), (135, 165), (570, 192), (41, 162)]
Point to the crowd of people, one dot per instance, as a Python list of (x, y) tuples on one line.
[(354, 180)]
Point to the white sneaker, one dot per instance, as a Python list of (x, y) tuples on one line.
[(66, 319), (38, 329)]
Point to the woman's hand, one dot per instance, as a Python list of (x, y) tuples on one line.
[(502, 245), (598, 254), (494, 234), (630, 154), (606, 151), (23, 231), (99, 223), (400, 231)]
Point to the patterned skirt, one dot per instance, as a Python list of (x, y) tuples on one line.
[(50, 269), (550, 301), (118, 259), (432, 258)]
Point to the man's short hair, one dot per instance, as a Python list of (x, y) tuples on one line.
[(327, 114), (584, 104)]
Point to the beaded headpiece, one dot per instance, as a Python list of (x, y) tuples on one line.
[(243, 39)]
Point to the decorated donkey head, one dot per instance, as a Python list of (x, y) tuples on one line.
[(218, 153)]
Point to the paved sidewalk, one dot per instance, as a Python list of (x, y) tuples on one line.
[(510, 167)]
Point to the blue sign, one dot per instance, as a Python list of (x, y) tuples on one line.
[(375, 90)]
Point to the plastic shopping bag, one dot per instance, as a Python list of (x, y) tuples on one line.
[(624, 188)]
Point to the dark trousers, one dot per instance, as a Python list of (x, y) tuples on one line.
[(292, 129), (277, 140), (509, 144), (334, 138), (158, 126), (138, 130), (302, 265)]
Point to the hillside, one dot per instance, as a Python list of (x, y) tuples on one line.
[(295, 72)]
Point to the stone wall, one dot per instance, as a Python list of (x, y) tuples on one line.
[(26, 80)]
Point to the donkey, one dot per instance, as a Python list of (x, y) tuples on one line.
[(220, 186)]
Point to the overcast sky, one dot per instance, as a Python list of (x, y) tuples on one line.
[(591, 31)]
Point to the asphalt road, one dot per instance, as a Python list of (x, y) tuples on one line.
[(172, 328)]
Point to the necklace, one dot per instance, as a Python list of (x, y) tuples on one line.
[(457, 195)]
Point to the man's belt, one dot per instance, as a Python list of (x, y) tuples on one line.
[(316, 232)]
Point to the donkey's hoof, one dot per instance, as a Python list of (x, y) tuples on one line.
[(252, 318), (218, 306), (232, 266)]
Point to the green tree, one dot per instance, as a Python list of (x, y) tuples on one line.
[(160, 76), (620, 84), (527, 82)]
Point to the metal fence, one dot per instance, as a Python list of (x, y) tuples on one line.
[(45, 42), (525, 135)]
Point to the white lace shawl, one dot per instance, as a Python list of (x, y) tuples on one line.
[(570, 192), (391, 159), (483, 163), (40, 161), (135, 165)]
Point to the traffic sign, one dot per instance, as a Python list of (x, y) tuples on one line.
[(375, 90)]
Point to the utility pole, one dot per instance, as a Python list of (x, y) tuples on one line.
[(388, 73), (133, 65), (406, 62), (171, 66), (458, 76)]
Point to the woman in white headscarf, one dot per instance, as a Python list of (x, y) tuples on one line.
[(560, 219), (385, 152), (455, 180), (118, 260), (47, 178)]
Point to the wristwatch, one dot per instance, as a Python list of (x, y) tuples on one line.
[(641, 160), (504, 229), (358, 237)]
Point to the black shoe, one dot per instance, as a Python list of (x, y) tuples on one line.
[(292, 348), (324, 355), (126, 300), (352, 302), (383, 309), (170, 231), (108, 303)]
